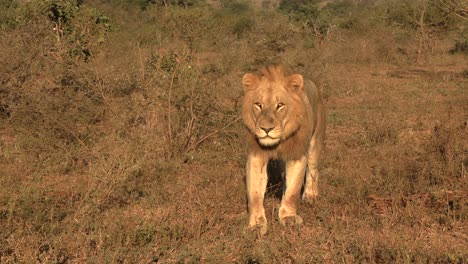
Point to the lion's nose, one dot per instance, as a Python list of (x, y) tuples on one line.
[(267, 129)]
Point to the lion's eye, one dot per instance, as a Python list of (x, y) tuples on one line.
[(258, 105), (279, 106)]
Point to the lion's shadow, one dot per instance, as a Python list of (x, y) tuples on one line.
[(276, 170), (276, 185)]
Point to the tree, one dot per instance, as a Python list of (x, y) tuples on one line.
[(426, 17)]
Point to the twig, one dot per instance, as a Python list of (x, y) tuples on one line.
[(191, 123), (142, 66), (71, 132), (211, 134), (100, 86), (169, 106)]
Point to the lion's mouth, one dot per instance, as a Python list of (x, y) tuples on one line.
[(268, 141)]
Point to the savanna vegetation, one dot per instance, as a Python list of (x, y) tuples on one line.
[(121, 139)]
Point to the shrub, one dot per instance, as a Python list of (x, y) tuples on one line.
[(193, 25), (408, 14), (78, 29), (8, 13), (461, 46), (237, 7), (318, 22)]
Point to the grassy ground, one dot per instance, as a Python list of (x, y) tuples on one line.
[(89, 172)]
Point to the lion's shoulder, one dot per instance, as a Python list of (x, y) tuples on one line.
[(312, 92)]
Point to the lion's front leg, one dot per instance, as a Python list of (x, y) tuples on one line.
[(295, 170), (256, 186)]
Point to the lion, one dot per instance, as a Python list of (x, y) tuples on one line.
[(285, 120)]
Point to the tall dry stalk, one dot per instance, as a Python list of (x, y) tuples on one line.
[(169, 110), (423, 37)]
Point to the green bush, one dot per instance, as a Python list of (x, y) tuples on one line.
[(300, 9), (8, 13), (193, 25), (317, 22), (78, 28), (183, 3), (242, 25), (236, 7)]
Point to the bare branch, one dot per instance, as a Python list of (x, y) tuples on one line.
[(169, 110), (211, 134)]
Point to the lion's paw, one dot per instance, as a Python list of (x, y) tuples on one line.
[(259, 227), (309, 197), (291, 220)]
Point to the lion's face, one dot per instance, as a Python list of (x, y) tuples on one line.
[(272, 108)]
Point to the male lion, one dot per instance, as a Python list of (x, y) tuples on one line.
[(285, 118)]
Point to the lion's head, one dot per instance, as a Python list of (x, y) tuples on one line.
[(273, 105)]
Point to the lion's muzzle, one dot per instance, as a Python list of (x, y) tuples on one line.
[(269, 136)]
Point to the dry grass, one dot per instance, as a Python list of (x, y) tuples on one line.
[(90, 174)]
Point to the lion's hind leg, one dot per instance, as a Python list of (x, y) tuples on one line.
[(312, 173), (311, 184)]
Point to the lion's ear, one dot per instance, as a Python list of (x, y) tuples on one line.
[(296, 83), (249, 81)]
